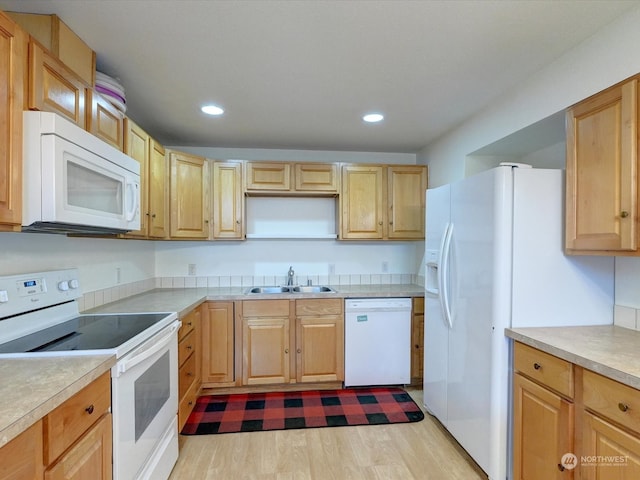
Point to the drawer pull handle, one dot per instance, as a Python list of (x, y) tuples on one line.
[(537, 366), (623, 407), (89, 409), (561, 467)]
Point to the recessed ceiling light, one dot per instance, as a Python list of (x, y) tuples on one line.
[(212, 110), (373, 117)]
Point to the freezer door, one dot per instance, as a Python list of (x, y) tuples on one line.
[(481, 208), (436, 330)]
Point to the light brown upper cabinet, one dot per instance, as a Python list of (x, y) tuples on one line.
[(61, 41), (13, 51), (406, 186), (281, 178), (382, 202), (104, 120), (189, 196), (601, 174), (154, 178), (53, 87), (228, 201)]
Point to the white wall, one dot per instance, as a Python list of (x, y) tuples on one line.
[(609, 56), (273, 257), (606, 58), (96, 259)]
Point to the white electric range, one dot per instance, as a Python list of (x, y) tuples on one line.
[(39, 317)]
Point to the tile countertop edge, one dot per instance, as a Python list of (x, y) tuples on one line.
[(609, 350), (70, 374)]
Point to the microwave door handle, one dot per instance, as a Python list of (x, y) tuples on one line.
[(132, 188)]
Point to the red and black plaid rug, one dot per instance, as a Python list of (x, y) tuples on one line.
[(250, 412)]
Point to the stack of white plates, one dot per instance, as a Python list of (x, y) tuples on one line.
[(112, 90)]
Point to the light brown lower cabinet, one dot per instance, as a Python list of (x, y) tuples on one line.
[(292, 341), (417, 341), (72, 442), (319, 340), (189, 364), (590, 431), (217, 346)]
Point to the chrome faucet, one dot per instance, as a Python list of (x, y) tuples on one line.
[(290, 275)]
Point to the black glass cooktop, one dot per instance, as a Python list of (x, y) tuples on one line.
[(85, 332)]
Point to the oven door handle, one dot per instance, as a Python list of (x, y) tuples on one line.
[(141, 356)]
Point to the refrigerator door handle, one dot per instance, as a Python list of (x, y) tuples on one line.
[(443, 274)]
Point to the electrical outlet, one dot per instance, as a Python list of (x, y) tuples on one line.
[(118, 275), (192, 269), (385, 267), (332, 269)]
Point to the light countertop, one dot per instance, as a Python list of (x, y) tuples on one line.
[(609, 350), (33, 387)]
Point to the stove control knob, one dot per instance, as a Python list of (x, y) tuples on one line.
[(63, 286), (4, 296), (73, 284)]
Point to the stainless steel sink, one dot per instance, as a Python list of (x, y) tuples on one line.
[(298, 289), (269, 290), (313, 289)]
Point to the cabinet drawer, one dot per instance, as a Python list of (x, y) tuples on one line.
[(74, 417), (186, 376), (319, 306), (186, 406), (546, 369), (612, 400), (186, 347), (265, 308), (188, 323)]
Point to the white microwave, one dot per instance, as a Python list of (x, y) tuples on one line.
[(74, 182)]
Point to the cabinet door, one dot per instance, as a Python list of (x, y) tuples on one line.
[(609, 452), (218, 343), (406, 187), (158, 191), (601, 171), (88, 458), (316, 177), (361, 200), (265, 346), (137, 145), (104, 120), (55, 88), (21, 458), (417, 341), (320, 348), (189, 196), (228, 201), (542, 431), (13, 44), (268, 176)]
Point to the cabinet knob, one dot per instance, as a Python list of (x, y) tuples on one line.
[(537, 366), (623, 407), (206, 221), (89, 409), (299, 350), (189, 347), (379, 223), (147, 214), (560, 467), (238, 222), (153, 215), (624, 214)]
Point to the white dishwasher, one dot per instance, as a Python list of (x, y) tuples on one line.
[(377, 347)]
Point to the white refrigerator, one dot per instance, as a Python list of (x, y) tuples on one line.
[(494, 259)]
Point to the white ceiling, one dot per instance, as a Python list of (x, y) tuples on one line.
[(299, 74)]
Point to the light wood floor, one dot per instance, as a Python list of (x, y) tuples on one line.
[(422, 450)]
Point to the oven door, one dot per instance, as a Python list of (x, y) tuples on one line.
[(82, 188), (145, 405)]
